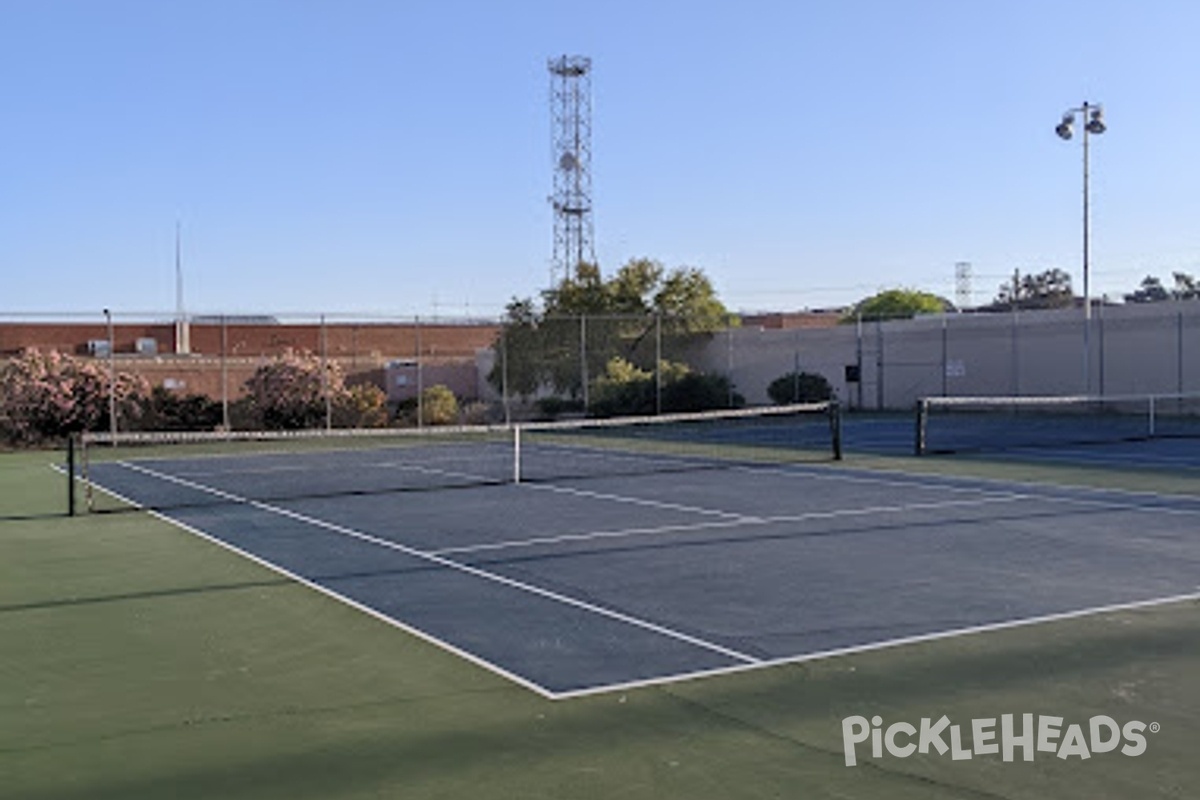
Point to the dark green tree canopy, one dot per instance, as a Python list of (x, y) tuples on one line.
[(1048, 289), (1151, 290), (641, 286), (587, 319)]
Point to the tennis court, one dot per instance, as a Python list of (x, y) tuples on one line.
[(597, 580), (1144, 432)]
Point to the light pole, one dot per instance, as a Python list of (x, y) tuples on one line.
[(1092, 117), (1093, 122), (112, 377)]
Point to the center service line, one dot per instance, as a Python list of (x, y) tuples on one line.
[(454, 565)]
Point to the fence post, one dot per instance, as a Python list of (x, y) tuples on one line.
[(945, 357), (858, 357), (1016, 355), (325, 376), (420, 374), (112, 376), (1087, 351), (583, 367), (224, 374), (879, 364), (504, 375), (658, 362), (729, 358), (1179, 351)]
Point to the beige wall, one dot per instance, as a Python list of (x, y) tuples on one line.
[(1135, 349)]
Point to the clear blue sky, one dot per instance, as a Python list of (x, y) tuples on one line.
[(394, 156)]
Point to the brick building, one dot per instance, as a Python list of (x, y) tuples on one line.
[(213, 355)]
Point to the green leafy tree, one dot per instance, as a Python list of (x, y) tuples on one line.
[(623, 316), (1151, 289), (1048, 289), (898, 304), (1186, 286)]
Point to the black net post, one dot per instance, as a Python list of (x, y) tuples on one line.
[(71, 475), (835, 424), (922, 427)]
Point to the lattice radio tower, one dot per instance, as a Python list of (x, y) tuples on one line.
[(571, 138)]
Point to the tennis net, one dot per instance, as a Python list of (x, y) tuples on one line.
[(170, 469), (972, 424)]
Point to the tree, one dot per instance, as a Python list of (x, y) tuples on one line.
[(288, 392), (898, 304), (1048, 289), (1150, 291), (44, 396), (1186, 286), (587, 320)]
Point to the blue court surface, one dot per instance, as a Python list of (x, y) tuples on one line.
[(1050, 441), (594, 584)]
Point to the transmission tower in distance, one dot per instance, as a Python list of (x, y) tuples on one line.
[(571, 140)]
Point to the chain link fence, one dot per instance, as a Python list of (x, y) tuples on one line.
[(203, 372)]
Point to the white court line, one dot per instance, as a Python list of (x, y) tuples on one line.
[(1093, 457), (338, 596), (640, 501), (678, 677), (881, 645), (747, 521), (459, 567), (933, 480)]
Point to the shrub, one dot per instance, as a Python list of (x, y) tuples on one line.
[(476, 413), (799, 387), (697, 391), (163, 410), (553, 407), (361, 406), (625, 389), (439, 406)]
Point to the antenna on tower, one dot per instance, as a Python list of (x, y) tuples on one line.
[(178, 274), (962, 285), (183, 333), (571, 141)]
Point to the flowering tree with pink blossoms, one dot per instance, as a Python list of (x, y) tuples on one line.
[(288, 393), (46, 396)]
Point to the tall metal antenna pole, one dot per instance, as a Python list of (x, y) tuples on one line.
[(183, 334), (178, 274), (571, 141)]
